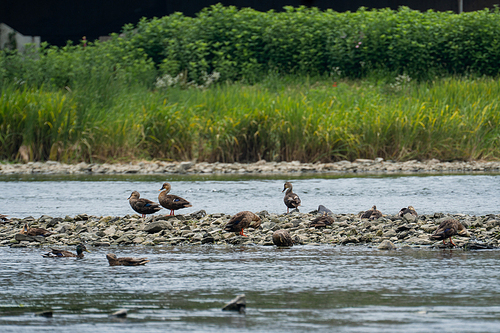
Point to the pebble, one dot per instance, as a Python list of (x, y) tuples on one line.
[(377, 165), (197, 229)]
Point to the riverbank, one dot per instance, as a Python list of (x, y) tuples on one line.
[(261, 167), (198, 228)]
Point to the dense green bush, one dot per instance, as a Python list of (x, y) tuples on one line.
[(247, 44), (244, 44)]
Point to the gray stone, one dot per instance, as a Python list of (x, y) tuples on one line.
[(386, 245), (157, 226)]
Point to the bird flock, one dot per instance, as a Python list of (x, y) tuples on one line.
[(238, 222)]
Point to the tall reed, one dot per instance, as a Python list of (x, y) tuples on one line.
[(283, 118)]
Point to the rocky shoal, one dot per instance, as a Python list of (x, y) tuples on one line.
[(377, 165), (198, 228)]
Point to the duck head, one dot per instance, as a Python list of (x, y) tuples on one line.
[(166, 187), (287, 185), (135, 195), (80, 248)]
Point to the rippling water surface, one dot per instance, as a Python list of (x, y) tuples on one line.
[(302, 289), (58, 196)]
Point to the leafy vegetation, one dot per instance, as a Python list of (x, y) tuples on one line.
[(241, 85)]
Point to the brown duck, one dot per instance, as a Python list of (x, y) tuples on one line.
[(241, 221), (322, 221), (372, 214), (125, 261), (171, 201), (409, 210), (56, 253), (35, 231), (447, 229), (282, 238), (291, 199), (142, 206)]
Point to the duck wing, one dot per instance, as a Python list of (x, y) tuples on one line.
[(239, 222), (292, 200), (321, 221), (145, 206), (446, 229), (56, 253), (173, 202)]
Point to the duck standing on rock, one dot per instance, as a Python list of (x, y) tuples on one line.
[(409, 210), (282, 238), (35, 231), (291, 199), (372, 214), (447, 229), (171, 201), (241, 221), (142, 206), (125, 261), (56, 253)]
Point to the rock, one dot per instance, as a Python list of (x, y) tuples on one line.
[(386, 245), (22, 237), (158, 226), (198, 215), (268, 226), (239, 304), (409, 218)]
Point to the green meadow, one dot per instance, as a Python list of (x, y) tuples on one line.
[(229, 94)]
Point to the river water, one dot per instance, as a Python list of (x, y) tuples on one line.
[(58, 196), (302, 289)]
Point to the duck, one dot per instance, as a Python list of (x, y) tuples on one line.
[(171, 201), (372, 214), (291, 199), (448, 228), (409, 210), (35, 231), (142, 206), (125, 261), (322, 221), (241, 221), (56, 253), (282, 238)]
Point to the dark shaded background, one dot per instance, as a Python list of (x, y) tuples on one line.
[(57, 21)]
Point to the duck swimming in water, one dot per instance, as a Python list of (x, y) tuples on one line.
[(171, 201), (125, 261), (56, 253)]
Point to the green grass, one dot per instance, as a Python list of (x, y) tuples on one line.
[(281, 118)]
